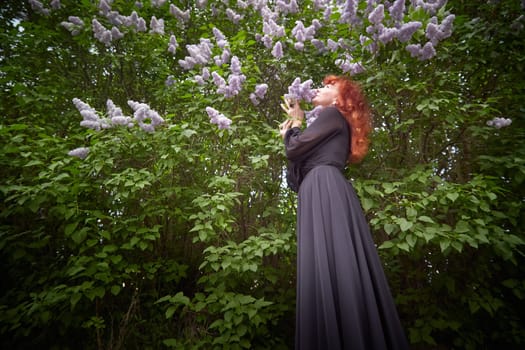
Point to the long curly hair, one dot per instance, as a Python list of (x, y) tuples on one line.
[(352, 103)]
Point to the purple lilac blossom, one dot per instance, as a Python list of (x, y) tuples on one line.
[(101, 33), (170, 80), (387, 35), (254, 99), (38, 7), (319, 45), (242, 4), (397, 10), (431, 6), (349, 14), (76, 20), (104, 7), (157, 25), (377, 15), (143, 113), (55, 4), (235, 65), (499, 122), (80, 152), (89, 115), (183, 16), (220, 38), (267, 41), (205, 73), (300, 91), (287, 8), (407, 30), (202, 3), (260, 90), (233, 16), (312, 115), (172, 47), (427, 52), (218, 118), (277, 50), (272, 29), (157, 3), (332, 45)]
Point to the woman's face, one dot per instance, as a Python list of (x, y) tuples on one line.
[(326, 96)]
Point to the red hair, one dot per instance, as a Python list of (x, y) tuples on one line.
[(352, 104)]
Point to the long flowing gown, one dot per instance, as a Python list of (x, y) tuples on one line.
[(343, 297)]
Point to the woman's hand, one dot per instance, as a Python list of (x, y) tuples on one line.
[(293, 109)]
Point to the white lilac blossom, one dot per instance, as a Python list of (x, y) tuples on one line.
[(300, 91), (499, 122), (55, 4), (146, 118), (218, 118), (80, 152), (277, 50), (183, 16), (38, 7), (172, 47), (157, 25)]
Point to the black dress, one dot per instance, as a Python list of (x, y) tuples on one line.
[(343, 297)]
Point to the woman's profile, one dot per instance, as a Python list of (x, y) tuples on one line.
[(343, 297)]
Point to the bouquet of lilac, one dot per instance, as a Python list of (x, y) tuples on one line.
[(302, 91)]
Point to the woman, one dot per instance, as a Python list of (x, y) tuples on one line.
[(343, 298)]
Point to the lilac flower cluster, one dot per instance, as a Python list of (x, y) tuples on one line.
[(182, 16), (104, 35), (74, 25), (302, 33), (158, 3), (218, 118), (424, 52), (172, 46), (499, 122), (286, 8), (146, 118), (198, 54), (80, 152), (300, 91), (233, 16), (90, 117), (347, 64), (157, 25), (260, 92), (430, 6), (312, 115), (235, 79), (38, 7), (437, 32)]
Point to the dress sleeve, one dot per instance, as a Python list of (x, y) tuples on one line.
[(299, 143)]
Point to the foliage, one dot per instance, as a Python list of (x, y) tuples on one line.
[(184, 237)]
